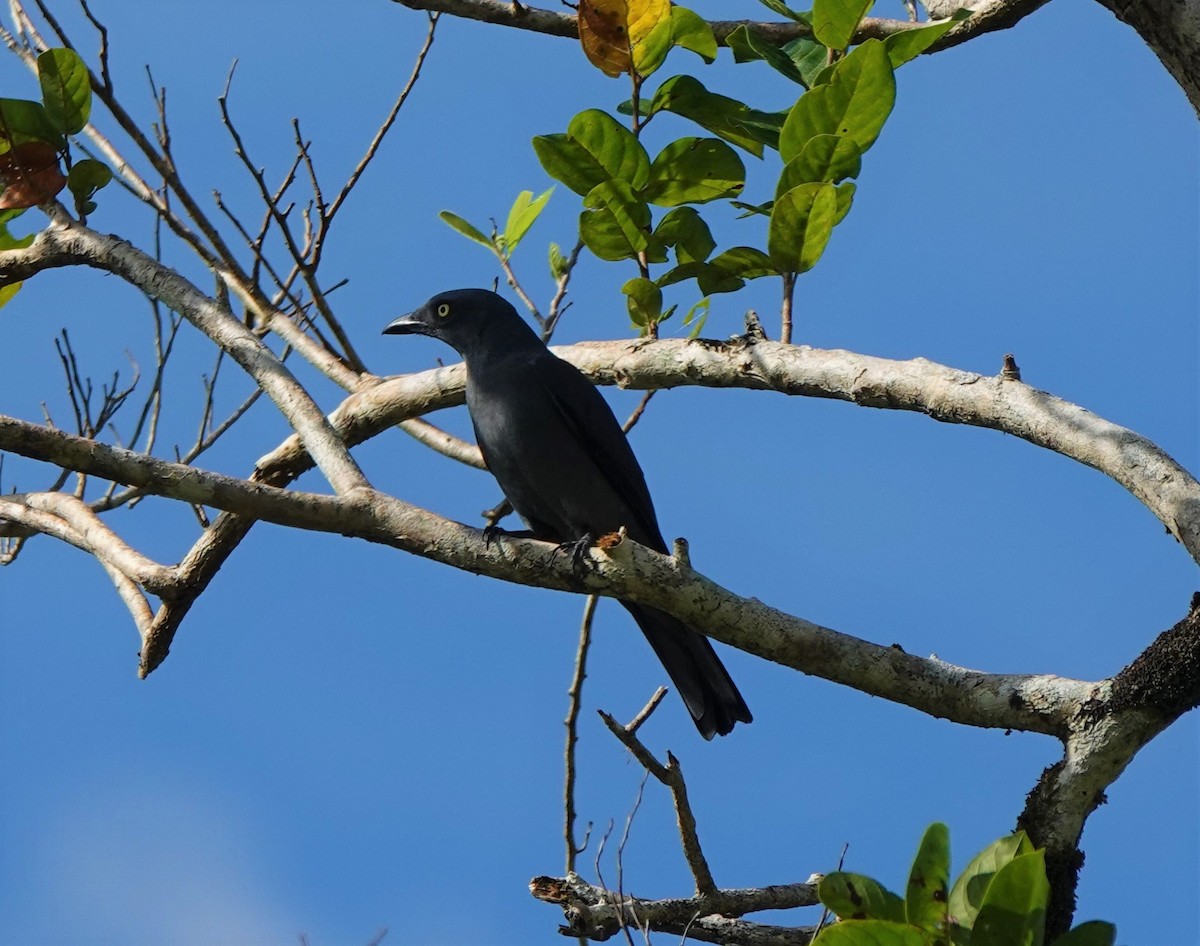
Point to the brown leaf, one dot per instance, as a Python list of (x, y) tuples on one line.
[(604, 32), (30, 175), (610, 29)]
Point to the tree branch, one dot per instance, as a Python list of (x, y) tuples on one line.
[(948, 395), (68, 243), (1172, 29), (598, 913), (988, 16), (671, 776), (1035, 703)]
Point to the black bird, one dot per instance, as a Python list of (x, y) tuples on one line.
[(562, 460)]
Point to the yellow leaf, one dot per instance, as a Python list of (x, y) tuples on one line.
[(611, 29)]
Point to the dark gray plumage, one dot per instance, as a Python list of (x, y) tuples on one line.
[(561, 458)]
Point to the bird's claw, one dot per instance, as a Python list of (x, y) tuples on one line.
[(578, 550)]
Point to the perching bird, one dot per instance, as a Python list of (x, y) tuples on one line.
[(562, 460)]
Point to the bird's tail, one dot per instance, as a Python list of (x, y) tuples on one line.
[(708, 691)]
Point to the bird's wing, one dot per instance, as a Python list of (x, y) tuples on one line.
[(592, 423)]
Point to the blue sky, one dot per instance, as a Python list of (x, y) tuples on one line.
[(345, 738)]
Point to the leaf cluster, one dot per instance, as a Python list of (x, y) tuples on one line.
[(34, 149), (821, 139), (999, 900)]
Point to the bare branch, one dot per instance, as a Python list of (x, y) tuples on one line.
[(670, 775), (646, 711), (942, 393), (628, 571), (594, 912), (71, 520), (68, 243), (444, 443)]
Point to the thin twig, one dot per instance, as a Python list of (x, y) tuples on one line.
[(638, 411), (637, 803), (785, 308), (644, 714), (557, 309), (575, 696)]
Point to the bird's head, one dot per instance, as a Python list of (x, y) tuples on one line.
[(466, 319)]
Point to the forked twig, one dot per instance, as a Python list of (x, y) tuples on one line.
[(670, 775)]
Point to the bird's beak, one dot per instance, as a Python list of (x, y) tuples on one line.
[(410, 324)]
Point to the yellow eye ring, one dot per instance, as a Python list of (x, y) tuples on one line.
[(443, 310)]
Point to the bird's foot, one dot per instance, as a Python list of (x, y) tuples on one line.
[(493, 532), (578, 550)]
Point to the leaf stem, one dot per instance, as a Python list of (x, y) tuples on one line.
[(785, 310)]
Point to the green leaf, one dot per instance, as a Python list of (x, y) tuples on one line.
[(684, 229), (682, 28), (810, 58), (845, 197), (834, 21), (22, 120), (596, 148), (7, 292), (1013, 912), (649, 54), (801, 223), (752, 210), (696, 317), (745, 262), (86, 177), (855, 103), (725, 117), (1092, 933), (824, 158), (909, 44), (967, 894), (10, 242), (66, 89), (870, 933), (777, 6), (691, 31), (761, 126), (558, 262), (709, 278), (748, 44), (643, 299), (466, 229), (929, 880), (521, 216), (694, 171), (857, 897), (616, 224)]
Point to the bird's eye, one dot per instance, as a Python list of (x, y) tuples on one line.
[(443, 310)]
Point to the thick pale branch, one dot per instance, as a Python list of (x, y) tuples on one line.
[(627, 571), (72, 520), (67, 243), (945, 394)]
